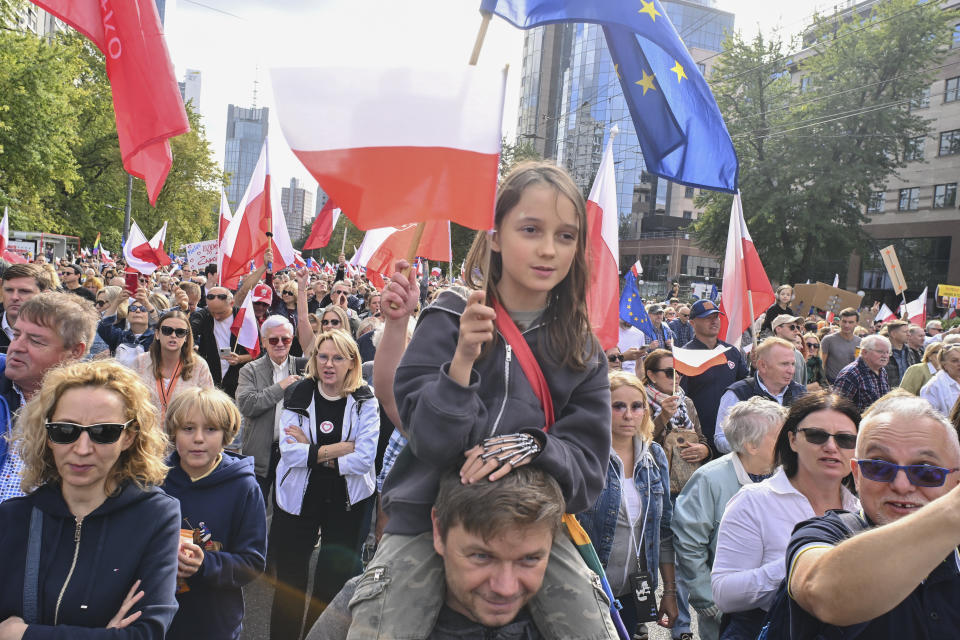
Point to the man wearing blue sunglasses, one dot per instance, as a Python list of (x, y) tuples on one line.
[(900, 578)]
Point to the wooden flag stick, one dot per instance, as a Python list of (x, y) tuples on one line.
[(343, 244), (481, 34), (753, 320)]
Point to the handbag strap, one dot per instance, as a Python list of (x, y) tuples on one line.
[(528, 362), (31, 576)]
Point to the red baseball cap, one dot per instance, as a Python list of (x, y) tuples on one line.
[(263, 293)]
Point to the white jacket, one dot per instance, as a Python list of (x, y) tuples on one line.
[(361, 425)]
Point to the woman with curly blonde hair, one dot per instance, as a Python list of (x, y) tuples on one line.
[(94, 451)]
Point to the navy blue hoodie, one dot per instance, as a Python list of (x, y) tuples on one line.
[(230, 506), (133, 535)]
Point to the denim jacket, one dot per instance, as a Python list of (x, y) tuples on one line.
[(600, 521)]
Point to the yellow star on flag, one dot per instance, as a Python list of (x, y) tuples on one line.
[(678, 69), (646, 82), (649, 9)]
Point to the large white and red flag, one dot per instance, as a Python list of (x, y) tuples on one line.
[(246, 238), (884, 314), (138, 252), (245, 326), (603, 251), (395, 146), (156, 243), (381, 248), (146, 98), (225, 215), (916, 310), (743, 278), (323, 226)]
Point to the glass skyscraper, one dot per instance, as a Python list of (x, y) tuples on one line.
[(246, 131)]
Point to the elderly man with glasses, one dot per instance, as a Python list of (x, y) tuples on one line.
[(864, 380), (789, 327), (880, 583), (681, 327)]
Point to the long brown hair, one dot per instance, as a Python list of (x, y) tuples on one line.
[(569, 340), (186, 351)]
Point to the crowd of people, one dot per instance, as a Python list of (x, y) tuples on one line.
[(447, 448)]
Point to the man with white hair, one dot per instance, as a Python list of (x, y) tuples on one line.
[(864, 380), (260, 398), (901, 578), (752, 427)]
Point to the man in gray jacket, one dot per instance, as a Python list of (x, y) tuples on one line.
[(260, 398)]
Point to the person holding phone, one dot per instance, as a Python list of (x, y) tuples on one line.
[(216, 344), (127, 344)]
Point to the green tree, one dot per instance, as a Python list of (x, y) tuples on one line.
[(511, 154), (810, 159)]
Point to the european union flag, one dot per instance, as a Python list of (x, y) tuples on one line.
[(714, 294), (631, 306), (678, 123)]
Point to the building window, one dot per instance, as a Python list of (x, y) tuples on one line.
[(921, 100), (688, 192), (702, 68), (688, 215), (875, 205), (909, 199), (945, 196), (804, 84), (950, 142), (951, 91), (913, 149), (956, 37)]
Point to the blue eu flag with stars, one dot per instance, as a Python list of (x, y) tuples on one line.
[(631, 306), (678, 123)]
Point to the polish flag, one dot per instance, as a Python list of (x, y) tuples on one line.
[(836, 284), (245, 238), (742, 273), (146, 98), (225, 215), (693, 362), (323, 226), (381, 248), (436, 272), (156, 243), (394, 146), (245, 326), (603, 251), (9, 256), (138, 252), (885, 314), (917, 310), (107, 258)]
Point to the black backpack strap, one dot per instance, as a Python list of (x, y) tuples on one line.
[(31, 575)]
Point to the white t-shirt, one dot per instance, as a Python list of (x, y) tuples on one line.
[(280, 372), (630, 338), (221, 331)]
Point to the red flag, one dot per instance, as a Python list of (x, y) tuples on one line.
[(322, 227), (917, 310), (603, 249), (138, 252), (742, 273), (225, 215), (246, 239), (156, 243), (245, 327), (381, 248), (146, 98)]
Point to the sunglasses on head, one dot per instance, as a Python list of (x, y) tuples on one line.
[(68, 432), (615, 357), (136, 307), (333, 323), (819, 436), (919, 475), (275, 340), (216, 296), (169, 331)]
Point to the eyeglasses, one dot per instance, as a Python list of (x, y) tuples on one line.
[(286, 293), (919, 475), (136, 307), (275, 340), (323, 358), (101, 303), (68, 432), (635, 407), (792, 327), (819, 436), (669, 371), (216, 296), (813, 345), (882, 353), (169, 331), (615, 357), (333, 323)]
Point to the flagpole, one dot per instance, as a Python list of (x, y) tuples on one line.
[(343, 244), (753, 320), (481, 34)]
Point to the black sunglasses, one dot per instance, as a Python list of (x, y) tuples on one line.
[(169, 331), (287, 293), (615, 357), (669, 371), (819, 436), (813, 345), (332, 323), (68, 432), (214, 296), (919, 475), (136, 307)]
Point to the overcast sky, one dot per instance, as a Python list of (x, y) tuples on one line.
[(234, 43)]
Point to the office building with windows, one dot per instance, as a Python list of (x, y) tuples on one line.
[(246, 131), (190, 88), (570, 97), (297, 205)]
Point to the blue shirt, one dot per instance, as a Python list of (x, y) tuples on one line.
[(930, 611), (707, 388), (682, 331)]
